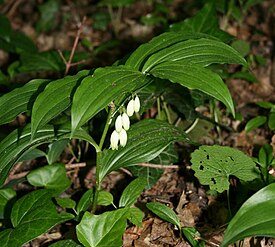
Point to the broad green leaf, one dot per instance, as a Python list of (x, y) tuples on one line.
[(6, 197), (195, 77), (100, 89), (159, 43), (213, 165), (43, 61), (167, 157), (33, 215), (193, 236), (131, 193), (51, 177), (146, 140), (55, 150), (271, 121), (19, 141), (65, 243), (205, 21), (105, 198), (85, 201), (102, 230), (255, 217), (55, 98), (164, 213), (255, 122), (5, 237), (200, 51), (65, 202), (20, 100), (32, 154), (135, 215)]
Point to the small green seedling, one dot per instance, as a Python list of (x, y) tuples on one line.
[(260, 120), (266, 162), (167, 214)]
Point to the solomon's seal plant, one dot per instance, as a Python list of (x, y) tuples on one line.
[(61, 110)]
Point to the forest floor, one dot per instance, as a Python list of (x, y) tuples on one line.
[(177, 187)]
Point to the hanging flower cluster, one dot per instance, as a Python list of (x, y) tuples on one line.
[(122, 124)]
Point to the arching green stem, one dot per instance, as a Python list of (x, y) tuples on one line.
[(98, 159)]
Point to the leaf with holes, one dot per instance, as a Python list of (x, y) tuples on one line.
[(213, 165)]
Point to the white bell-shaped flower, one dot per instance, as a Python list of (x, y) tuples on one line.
[(136, 104), (118, 123), (130, 108), (125, 121), (114, 140), (123, 137)]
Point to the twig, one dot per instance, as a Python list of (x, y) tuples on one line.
[(69, 63), (159, 166), (76, 165), (18, 175)]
